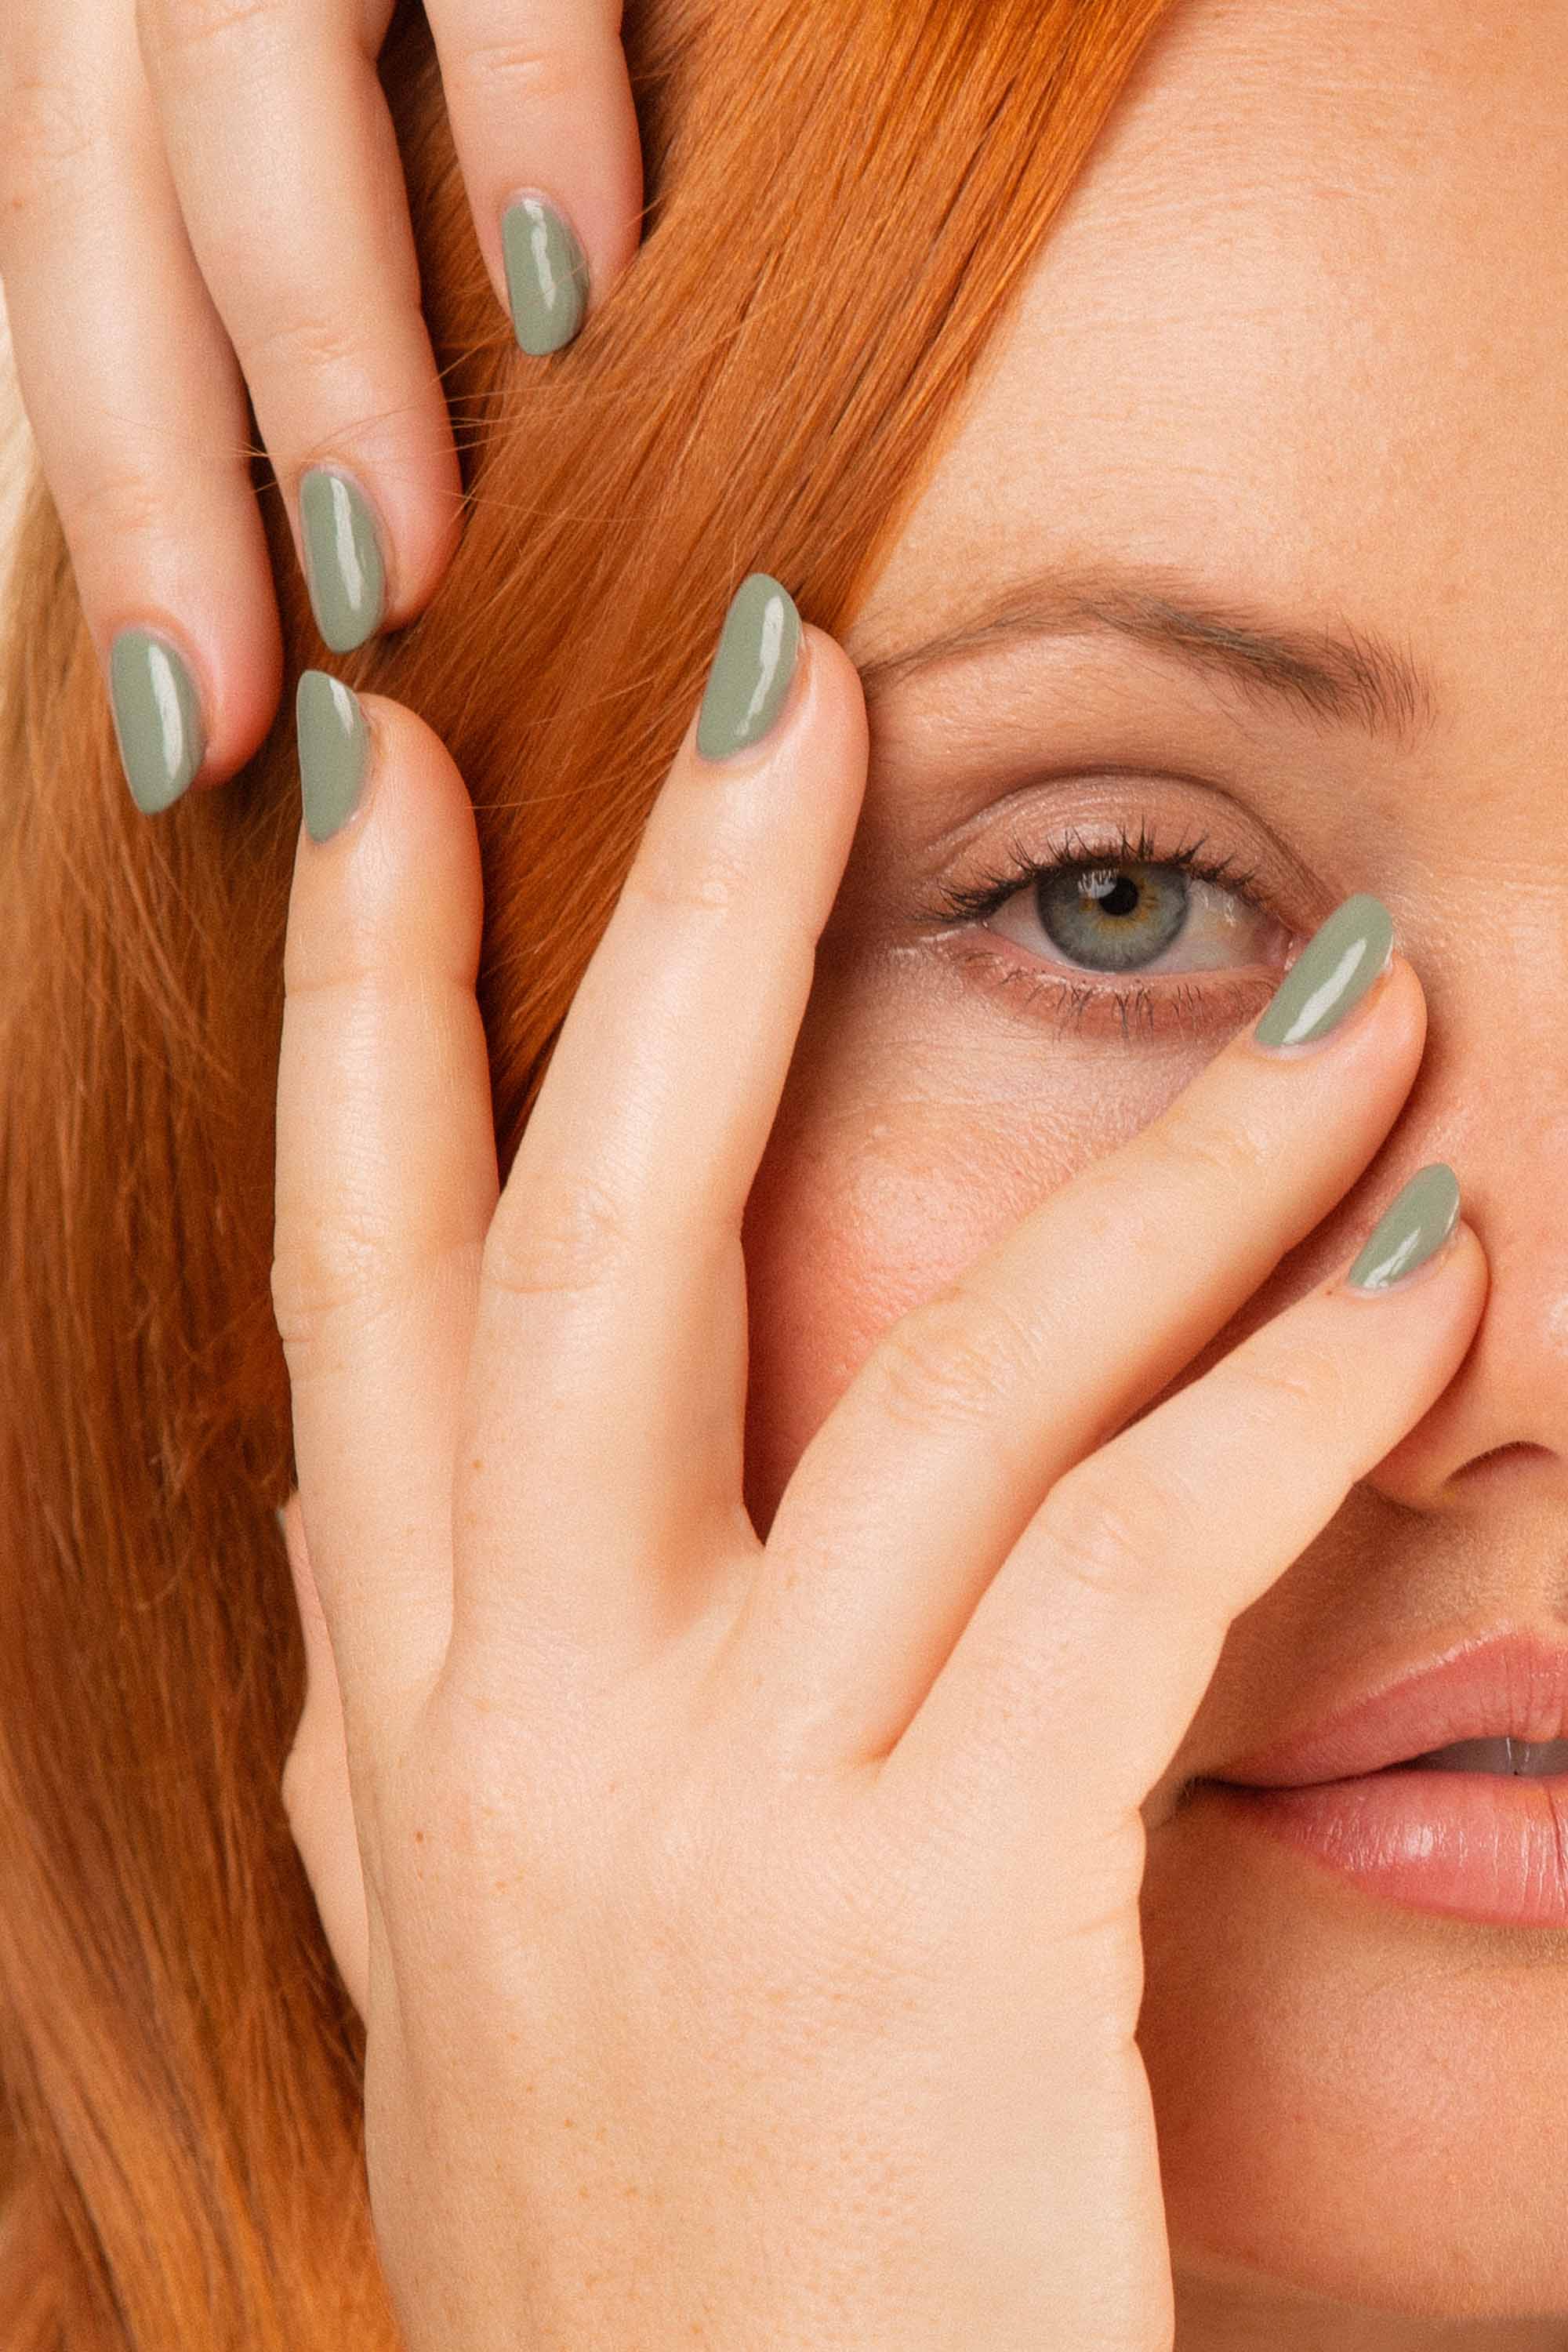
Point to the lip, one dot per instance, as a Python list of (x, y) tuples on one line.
[(1508, 1684), (1473, 1845)]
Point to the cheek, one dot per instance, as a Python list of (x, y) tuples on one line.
[(907, 1142)]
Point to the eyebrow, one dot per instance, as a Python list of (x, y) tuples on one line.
[(1342, 676)]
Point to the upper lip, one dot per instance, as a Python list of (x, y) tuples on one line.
[(1510, 1684)]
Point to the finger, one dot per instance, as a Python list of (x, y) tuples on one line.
[(386, 1181), (315, 1788), (1075, 1680), (287, 165), (599, 1478), (972, 1403), (546, 133), (136, 405)]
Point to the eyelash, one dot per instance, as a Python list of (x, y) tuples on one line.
[(1182, 1005)]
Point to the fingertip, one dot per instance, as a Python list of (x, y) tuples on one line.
[(190, 707)]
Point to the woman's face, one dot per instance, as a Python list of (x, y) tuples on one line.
[(1295, 349)]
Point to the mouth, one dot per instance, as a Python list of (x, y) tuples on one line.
[(1445, 1790)]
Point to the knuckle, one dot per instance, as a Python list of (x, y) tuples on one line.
[(325, 1268), (1234, 1153), (711, 881), (122, 504), (521, 71), (937, 1367), (1299, 1386), (310, 342), (573, 1237), (181, 33), (1112, 1538), (47, 134)]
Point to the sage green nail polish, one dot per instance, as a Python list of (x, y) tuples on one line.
[(334, 751), (343, 568), (546, 274), (157, 718), (1413, 1227), (751, 667), (1332, 972)]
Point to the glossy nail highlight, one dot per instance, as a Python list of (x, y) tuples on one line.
[(1331, 974), (334, 751), (546, 274), (343, 566), (751, 667), (157, 718), (1412, 1229)]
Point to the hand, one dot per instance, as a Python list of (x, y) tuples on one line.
[(747, 1934), (210, 209)]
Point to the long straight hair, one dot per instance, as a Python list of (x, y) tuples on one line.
[(843, 200)]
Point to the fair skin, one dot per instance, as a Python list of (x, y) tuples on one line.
[(202, 201), (1296, 339)]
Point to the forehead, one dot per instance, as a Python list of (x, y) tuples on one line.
[(1299, 330)]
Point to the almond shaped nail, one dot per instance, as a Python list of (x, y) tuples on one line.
[(1331, 975)]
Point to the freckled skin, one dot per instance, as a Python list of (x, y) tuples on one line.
[(1300, 331)]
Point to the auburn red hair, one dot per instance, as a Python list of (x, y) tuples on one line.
[(842, 201)]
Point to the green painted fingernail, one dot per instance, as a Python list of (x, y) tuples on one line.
[(1332, 972), (751, 667), (343, 567), (334, 751), (1413, 1227), (157, 718), (546, 274)]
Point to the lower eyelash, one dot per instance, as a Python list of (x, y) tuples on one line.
[(1177, 1007)]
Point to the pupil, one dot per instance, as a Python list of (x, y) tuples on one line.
[(1120, 899), (1113, 917)]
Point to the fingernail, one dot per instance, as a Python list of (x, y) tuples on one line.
[(334, 746), (343, 567), (1412, 1229), (751, 667), (157, 718), (546, 274), (1331, 974)]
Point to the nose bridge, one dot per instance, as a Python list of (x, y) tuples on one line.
[(1491, 1098)]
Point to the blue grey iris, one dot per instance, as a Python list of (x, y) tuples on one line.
[(1113, 917)]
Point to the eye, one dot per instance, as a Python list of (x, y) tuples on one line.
[(1134, 915), (1088, 916)]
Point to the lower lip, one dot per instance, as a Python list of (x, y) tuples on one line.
[(1487, 1846)]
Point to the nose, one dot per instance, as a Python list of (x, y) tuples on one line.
[(1491, 1098)]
